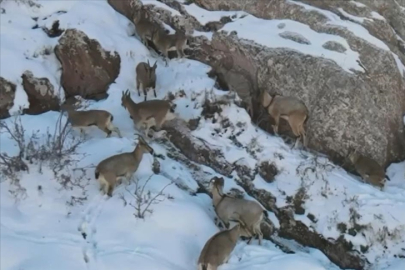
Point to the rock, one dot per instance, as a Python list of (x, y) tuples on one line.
[(194, 149), (236, 193), (126, 8), (281, 25), (295, 37), (41, 94), (268, 171), (7, 94), (54, 31), (346, 109), (334, 46), (87, 69), (338, 252)]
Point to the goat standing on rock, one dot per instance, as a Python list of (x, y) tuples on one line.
[(146, 78), (144, 26), (248, 213), (165, 42), (289, 108), (369, 169), (148, 113)]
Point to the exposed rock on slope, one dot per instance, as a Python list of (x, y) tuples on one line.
[(41, 94), (339, 251), (87, 69), (361, 109), (7, 94)]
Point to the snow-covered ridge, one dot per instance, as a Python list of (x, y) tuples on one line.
[(355, 28), (267, 33), (43, 232), (352, 17)]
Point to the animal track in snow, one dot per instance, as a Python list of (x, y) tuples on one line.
[(88, 229)]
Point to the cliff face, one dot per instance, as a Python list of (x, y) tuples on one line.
[(351, 105)]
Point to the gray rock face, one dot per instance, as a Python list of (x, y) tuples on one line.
[(361, 110), (334, 46), (7, 94), (295, 37), (87, 69), (41, 94)]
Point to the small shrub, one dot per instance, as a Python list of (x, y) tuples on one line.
[(144, 199), (299, 201), (56, 150)]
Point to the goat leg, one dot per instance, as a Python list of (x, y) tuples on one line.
[(145, 93)]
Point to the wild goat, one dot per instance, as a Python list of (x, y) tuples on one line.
[(368, 169), (248, 213), (165, 42), (100, 118), (289, 108), (124, 165), (144, 26), (149, 113), (146, 78), (219, 247)]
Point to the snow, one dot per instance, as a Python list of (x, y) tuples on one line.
[(352, 17), (208, 35), (401, 7), (377, 16), (355, 28), (161, 5), (23, 48), (266, 33), (42, 231), (400, 65), (358, 4), (204, 16)]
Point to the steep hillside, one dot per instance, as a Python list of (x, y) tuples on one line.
[(53, 215)]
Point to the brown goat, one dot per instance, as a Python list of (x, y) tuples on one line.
[(146, 78), (289, 108)]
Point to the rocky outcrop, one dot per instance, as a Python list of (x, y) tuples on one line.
[(41, 94), (87, 69), (7, 94), (338, 251), (359, 109)]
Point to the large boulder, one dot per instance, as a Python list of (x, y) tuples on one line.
[(87, 69), (347, 109), (41, 94), (7, 94)]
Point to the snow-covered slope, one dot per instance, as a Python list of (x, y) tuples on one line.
[(75, 227)]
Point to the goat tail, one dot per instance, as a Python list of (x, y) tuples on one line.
[(111, 118), (265, 213), (96, 174), (389, 179), (202, 266)]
